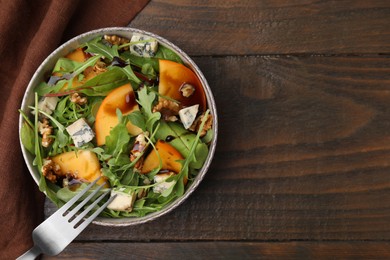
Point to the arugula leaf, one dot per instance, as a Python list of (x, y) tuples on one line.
[(65, 194), (99, 85), (50, 190), (130, 75), (60, 135), (27, 134), (38, 158), (137, 119), (168, 191), (27, 137), (64, 65), (130, 178), (148, 70), (162, 53), (104, 83), (97, 46), (182, 141), (117, 141), (88, 63), (44, 88), (165, 53), (140, 61), (113, 178), (146, 101)]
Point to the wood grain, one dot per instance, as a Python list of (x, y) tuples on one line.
[(270, 27), (303, 154), (227, 250), (303, 158)]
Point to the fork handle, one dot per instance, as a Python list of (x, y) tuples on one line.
[(30, 254)]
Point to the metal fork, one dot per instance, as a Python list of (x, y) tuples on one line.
[(59, 230)]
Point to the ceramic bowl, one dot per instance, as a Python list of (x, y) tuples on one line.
[(45, 69)]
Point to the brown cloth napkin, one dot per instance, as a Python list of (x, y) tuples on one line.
[(29, 31)]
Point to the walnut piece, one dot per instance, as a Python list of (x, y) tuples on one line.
[(187, 89), (51, 170), (198, 121), (45, 130), (100, 67), (116, 40), (76, 98), (138, 148), (168, 109)]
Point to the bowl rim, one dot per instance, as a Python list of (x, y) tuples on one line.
[(71, 44)]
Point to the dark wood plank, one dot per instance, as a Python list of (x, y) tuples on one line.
[(228, 250), (303, 154), (270, 27)]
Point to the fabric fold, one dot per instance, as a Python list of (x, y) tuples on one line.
[(29, 32)]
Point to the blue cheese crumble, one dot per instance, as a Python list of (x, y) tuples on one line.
[(161, 184), (123, 201), (80, 132), (188, 115), (143, 46)]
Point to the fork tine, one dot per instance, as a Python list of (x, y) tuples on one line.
[(85, 201), (88, 209), (71, 202), (95, 214)]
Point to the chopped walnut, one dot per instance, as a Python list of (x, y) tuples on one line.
[(51, 170), (100, 67), (187, 89), (45, 130), (116, 40), (198, 121), (168, 109), (139, 147), (76, 98)]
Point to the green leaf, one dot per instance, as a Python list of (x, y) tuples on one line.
[(62, 139), (113, 178), (49, 189), (140, 61), (137, 119), (168, 191), (66, 193), (130, 74), (43, 88), (103, 83), (130, 178), (37, 147), (165, 53), (208, 137), (152, 120), (118, 139), (146, 100), (182, 141), (88, 63), (27, 137), (179, 187), (97, 46), (65, 65), (148, 70)]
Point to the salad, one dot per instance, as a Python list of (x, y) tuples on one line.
[(126, 110)]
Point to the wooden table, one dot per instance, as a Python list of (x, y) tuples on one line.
[(302, 168)]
